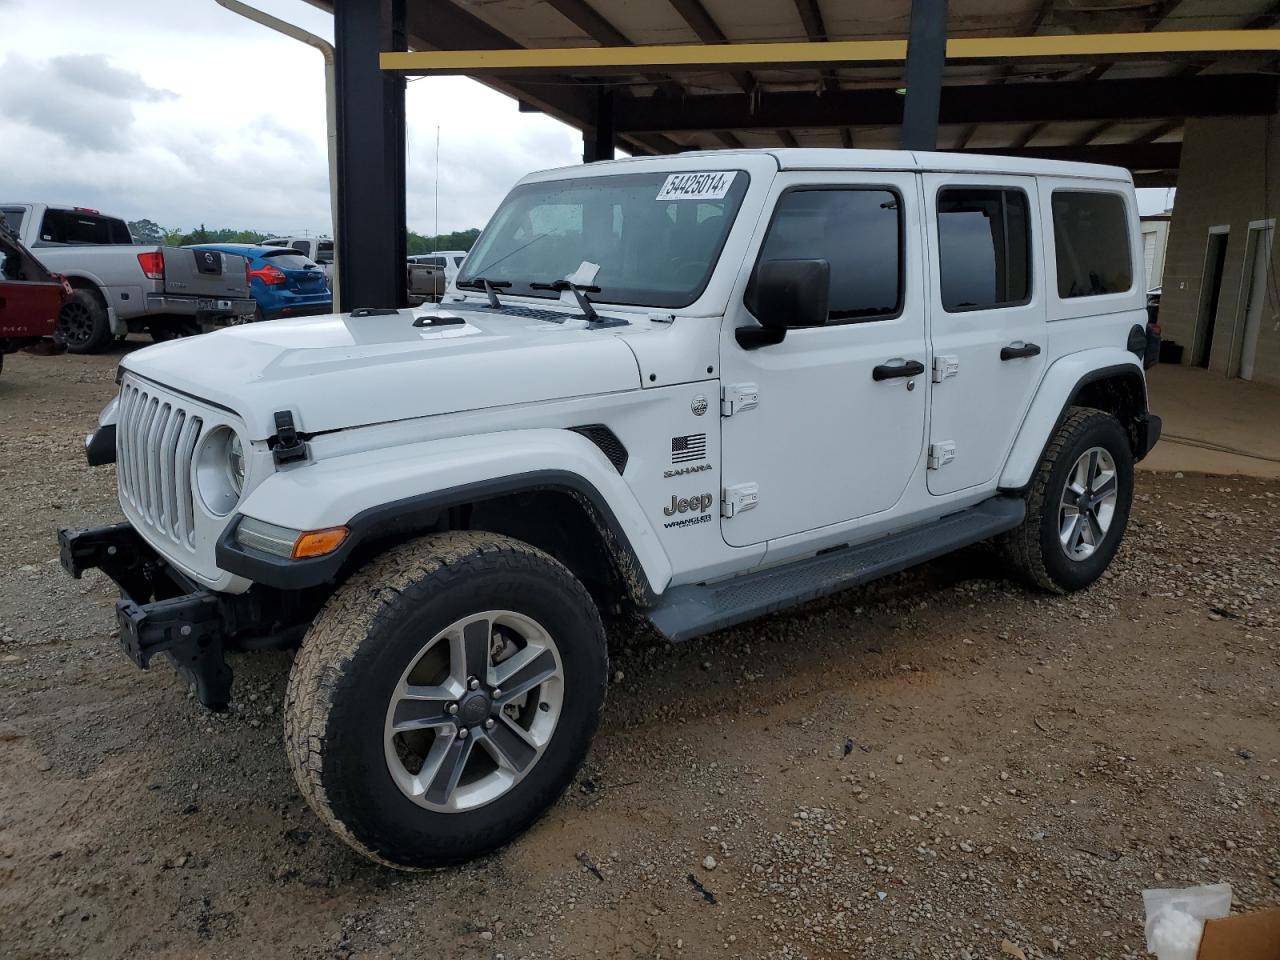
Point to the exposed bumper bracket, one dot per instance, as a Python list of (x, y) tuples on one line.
[(189, 629), (189, 626)]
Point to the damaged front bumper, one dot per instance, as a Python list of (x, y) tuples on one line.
[(162, 611)]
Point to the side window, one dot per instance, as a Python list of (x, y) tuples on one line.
[(858, 231), (1091, 243), (984, 248), (14, 216), (302, 246), (325, 253)]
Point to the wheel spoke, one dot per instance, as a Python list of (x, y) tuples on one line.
[(420, 708), (509, 746), (1096, 532), (442, 778), (1105, 488), (526, 670), (1077, 533), (1092, 470), (476, 638)]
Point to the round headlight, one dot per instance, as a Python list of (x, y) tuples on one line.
[(220, 470), (235, 463)]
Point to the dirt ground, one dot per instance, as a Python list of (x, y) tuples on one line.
[(940, 766)]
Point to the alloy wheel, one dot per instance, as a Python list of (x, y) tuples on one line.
[(474, 711), (1088, 503), (75, 323)]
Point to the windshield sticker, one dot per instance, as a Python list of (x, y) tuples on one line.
[(712, 185)]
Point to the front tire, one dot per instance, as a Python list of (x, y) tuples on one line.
[(445, 697), (1077, 507)]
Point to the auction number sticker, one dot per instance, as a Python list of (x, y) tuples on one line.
[(708, 185)]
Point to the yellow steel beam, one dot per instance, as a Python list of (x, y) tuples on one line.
[(675, 58)]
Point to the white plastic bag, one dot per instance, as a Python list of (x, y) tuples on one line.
[(1175, 918)]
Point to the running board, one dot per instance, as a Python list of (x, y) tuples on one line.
[(689, 611)]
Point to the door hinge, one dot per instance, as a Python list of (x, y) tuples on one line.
[(945, 366), (739, 497), (940, 454), (736, 397)]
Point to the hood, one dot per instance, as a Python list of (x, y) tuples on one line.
[(342, 371)]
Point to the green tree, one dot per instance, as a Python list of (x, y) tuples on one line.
[(147, 231), (458, 240)]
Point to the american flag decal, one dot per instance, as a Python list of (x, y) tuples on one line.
[(692, 447)]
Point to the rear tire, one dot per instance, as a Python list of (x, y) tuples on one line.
[(163, 332), (414, 649), (83, 324), (1077, 507)]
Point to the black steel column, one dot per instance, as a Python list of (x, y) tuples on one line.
[(371, 170), (597, 140), (926, 56)]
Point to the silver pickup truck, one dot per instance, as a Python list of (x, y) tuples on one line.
[(119, 286)]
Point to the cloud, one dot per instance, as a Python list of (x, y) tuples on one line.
[(81, 98), (93, 72)]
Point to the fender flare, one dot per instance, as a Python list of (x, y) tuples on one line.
[(1058, 390), (388, 492)]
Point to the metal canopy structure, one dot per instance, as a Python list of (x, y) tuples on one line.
[(1109, 81)]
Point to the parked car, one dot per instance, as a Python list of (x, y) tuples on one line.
[(285, 283), (30, 297), (449, 260), (780, 374), (426, 283), (1152, 354), (319, 249), (118, 286)]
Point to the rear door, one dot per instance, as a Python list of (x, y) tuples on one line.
[(987, 321)]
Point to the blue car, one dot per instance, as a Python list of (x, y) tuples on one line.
[(284, 282)]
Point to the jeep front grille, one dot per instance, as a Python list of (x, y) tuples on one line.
[(155, 444)]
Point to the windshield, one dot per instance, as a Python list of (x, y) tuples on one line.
[(649, 239)]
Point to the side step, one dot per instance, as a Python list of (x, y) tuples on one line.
[(689, 611)]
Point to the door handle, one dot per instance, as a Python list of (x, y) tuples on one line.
[(897, 368), (1017, 350)]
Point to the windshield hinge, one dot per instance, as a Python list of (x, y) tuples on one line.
[(289, 446)]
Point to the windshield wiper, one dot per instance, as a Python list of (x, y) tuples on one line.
[(488, 286), (580, 292)]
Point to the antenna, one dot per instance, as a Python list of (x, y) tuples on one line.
[(435, 239)]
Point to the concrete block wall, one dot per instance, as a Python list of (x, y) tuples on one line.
[(1230, 175)]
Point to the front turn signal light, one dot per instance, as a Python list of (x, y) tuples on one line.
[(316, 543)]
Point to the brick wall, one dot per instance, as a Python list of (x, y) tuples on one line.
[(1224, 181)]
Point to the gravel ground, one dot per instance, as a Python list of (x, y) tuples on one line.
[(942, 765)]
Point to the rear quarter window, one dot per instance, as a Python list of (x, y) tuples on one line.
[(1091, 243)]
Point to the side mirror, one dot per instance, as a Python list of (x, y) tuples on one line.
[(786, 294)]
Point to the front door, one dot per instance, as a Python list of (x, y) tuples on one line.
[(811, 433), (987, 303)]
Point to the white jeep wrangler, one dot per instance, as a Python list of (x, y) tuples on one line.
[(698, 388)]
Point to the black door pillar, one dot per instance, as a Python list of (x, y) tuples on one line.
[(926, 56), (597, 140), (371, 171)]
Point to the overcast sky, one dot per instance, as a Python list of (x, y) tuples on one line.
[(184, 113)]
